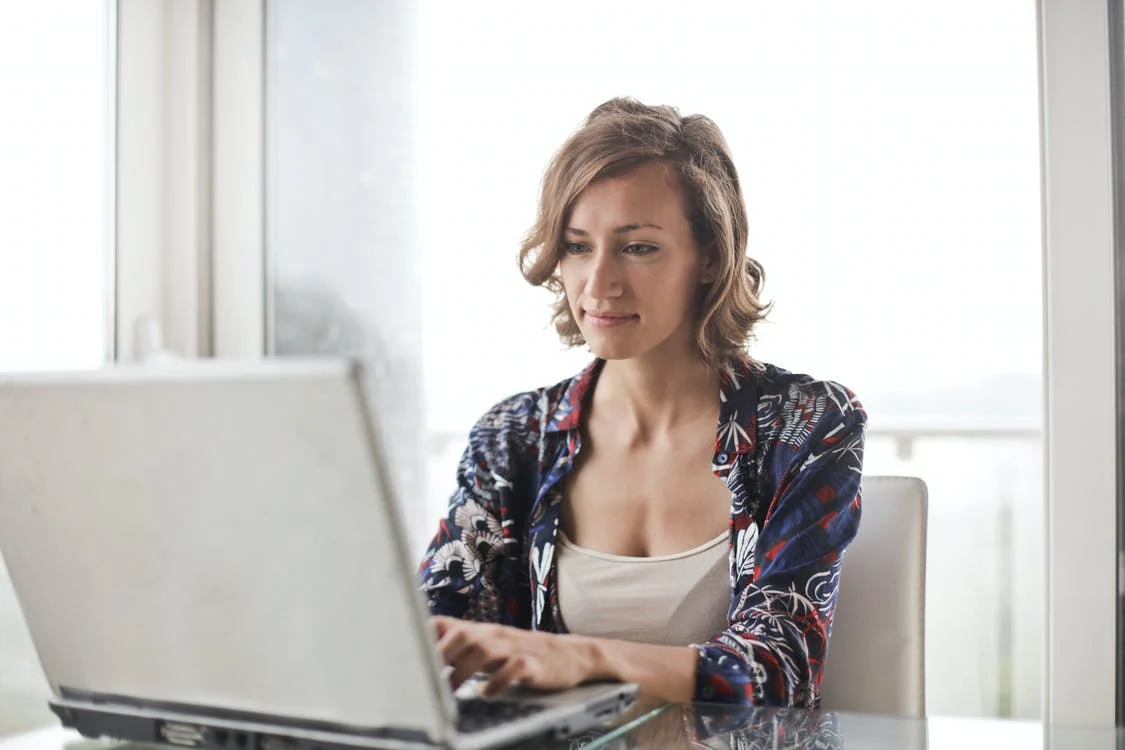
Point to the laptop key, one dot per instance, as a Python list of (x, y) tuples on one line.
[(475, 714)]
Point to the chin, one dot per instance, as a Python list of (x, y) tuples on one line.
[(603, 349), (614, 346)]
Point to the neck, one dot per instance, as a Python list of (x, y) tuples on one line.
[(649, 397)]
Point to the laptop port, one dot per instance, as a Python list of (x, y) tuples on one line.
[(273, 742), (184, 735)]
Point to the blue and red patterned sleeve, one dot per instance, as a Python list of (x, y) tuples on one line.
[(786, 581), (472, 568)]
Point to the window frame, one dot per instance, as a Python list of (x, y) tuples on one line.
[(1079, 363), (189, 213)]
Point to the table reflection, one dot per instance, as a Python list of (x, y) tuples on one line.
[(716, 727)]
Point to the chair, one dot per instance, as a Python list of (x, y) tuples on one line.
[(876, 653)]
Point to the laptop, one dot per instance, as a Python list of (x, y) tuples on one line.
[(208, 554)]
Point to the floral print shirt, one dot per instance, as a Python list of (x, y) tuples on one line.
[(790, 449)]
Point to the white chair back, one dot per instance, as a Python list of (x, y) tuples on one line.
[(876, 653)]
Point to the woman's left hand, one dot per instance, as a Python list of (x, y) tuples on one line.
[(510, 655)]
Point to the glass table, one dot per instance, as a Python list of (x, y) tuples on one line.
[(694, 726), (705, 727)]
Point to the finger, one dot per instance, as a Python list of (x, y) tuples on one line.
[(452, 642), (441, 624), (469, 666), (458, 639), (516, 669), (478, 654)]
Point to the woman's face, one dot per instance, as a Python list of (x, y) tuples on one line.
[(630, 267)]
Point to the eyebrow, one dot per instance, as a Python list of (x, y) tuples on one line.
[(623, 229)]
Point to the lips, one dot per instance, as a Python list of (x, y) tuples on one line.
[(609, 319)]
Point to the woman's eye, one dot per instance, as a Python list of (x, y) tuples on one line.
[(640, 248), (573, 248)]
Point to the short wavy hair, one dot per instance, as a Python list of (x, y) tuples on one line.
[(617, 136)]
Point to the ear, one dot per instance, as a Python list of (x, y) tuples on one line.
[(709, 270)]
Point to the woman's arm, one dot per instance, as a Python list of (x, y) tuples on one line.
[(664, 673), (785, 592), (549, 661), (472, 567)]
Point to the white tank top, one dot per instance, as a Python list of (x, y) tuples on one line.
[(672, 600)]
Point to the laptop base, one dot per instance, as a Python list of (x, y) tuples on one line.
[(191, 727), (194, 731)]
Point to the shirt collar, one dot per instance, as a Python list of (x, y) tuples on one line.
[(567, 414), (737, 406), (738, 411)]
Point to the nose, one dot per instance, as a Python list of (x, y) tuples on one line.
[(605, 279)]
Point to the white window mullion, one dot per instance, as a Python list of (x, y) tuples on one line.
[(1080, 363), (109, 157), (163, 181), (239, 270)]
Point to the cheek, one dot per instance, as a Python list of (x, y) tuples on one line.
[(678, 291), (670, 283)]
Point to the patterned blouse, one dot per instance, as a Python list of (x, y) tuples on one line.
[(790, 449)]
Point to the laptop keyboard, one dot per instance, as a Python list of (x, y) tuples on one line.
[(475, 714)]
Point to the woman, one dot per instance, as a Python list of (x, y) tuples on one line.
[(585, 540)]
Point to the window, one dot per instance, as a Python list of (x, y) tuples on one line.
[(55, 193), (889, 154)]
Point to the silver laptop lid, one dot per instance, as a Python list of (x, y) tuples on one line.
[(215, 534)]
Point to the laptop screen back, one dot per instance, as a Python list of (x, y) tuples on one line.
[(215, 534)]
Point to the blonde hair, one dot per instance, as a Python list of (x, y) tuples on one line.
[(621, 134)]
